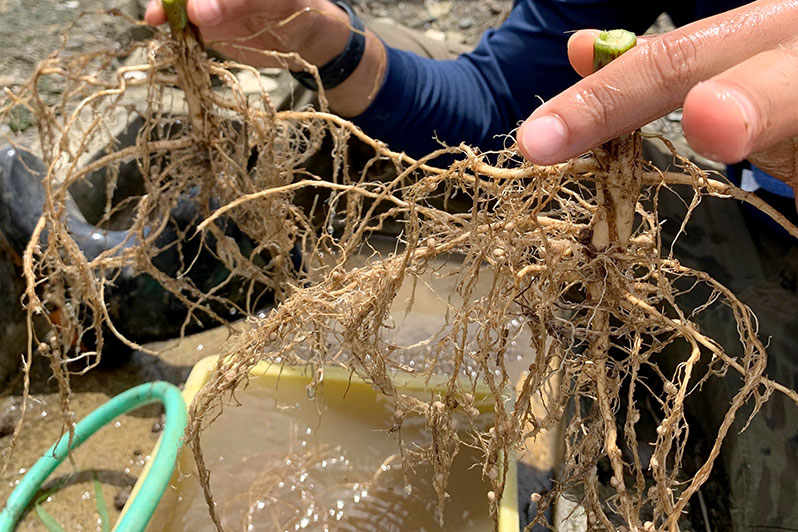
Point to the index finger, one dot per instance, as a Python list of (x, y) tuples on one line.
[(651, 79)]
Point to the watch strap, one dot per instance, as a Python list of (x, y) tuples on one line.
[(334, 72)]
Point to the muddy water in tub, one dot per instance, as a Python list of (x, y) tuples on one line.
[(283, 462)]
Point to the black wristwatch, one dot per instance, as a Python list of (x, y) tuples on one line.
[(341, 67)]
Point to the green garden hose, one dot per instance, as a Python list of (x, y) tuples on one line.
[(143, 505)]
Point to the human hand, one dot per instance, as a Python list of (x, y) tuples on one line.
[(316, 29), (736, 75)]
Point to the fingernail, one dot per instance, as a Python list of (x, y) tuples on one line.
[(744, 106), (208, 12), (732, 110), (543, 138), (578, 34)]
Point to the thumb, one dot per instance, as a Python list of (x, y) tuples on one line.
[(580, 51), (209, 13)]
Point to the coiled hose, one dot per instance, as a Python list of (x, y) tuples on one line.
[(154, 484)]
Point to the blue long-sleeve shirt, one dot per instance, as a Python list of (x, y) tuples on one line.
[(486, 93)]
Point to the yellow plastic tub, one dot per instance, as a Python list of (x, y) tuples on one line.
[(337, 383)]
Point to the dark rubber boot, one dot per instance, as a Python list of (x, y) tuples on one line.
[(140, 308), (13, 328)]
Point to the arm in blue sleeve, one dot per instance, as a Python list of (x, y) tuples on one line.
[(483, 94)]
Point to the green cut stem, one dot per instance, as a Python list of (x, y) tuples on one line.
[(618, 191), (611, 44), (176, 15)]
